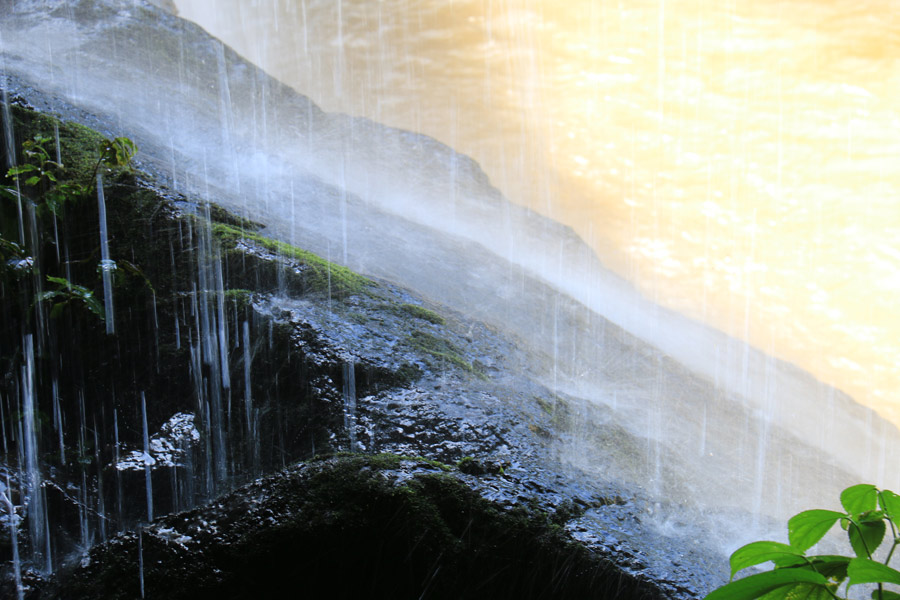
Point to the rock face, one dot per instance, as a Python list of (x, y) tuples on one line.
[(234, 355), (378, 526), (166, 4)]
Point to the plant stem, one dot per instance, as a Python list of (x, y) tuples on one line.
[(893, 547)]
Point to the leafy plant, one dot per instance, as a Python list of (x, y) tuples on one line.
[(47, 186), (67, 292), (868, 515), (43, 177), (13, 259)]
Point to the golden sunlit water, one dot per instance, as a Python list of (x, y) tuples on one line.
[(738, 161)]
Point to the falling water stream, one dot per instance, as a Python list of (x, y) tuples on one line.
[(734, 161), (713, 174)]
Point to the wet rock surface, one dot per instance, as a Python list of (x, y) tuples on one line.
[(303, 370), (345, 521), (284, 369)]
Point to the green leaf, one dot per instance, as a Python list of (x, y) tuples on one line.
[(94, 306), (57, 310), (890, 503), (72, 191), (870, 516), (760, 552), (74, 292), (865, 537), (48, 295), (9, 248), (755, 586), (859, 498), (55, 201), (33, 180), (124, 149), (59, 281), (885, 595), (808, 527), (133, 269), (864, 570), (799, 591), (9, 192), (832, 567), (26, 168)]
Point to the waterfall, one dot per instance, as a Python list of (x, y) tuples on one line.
[(725, 428), (107, 265), (349, 378), (36, 506)]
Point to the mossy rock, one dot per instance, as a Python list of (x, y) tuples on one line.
[(319, 275), (443, 350), (414, 311), (346, 525)]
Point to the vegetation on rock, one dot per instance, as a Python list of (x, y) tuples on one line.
[(319, 275), (364, 526)]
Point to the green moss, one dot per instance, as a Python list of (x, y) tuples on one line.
[(358, 317), (222, 215), (384, 461), (408, 373), (79, 145), (441, 349), (415, 311), (239, 297), (341, 524), (322, 276), (539, 431), (431, 462)]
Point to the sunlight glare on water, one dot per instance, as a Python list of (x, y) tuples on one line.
[(738, 161)]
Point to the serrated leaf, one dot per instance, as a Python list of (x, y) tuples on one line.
[(866, 537), (864, 570), (72, 291), (832, 567), (799, 591), (890, 503), (760, 552), (124, 149), (860, 498), (870, 516), (808, 527), (755, 586)]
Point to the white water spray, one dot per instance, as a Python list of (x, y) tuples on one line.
[(148, 460), (350, 402), (107, 265)]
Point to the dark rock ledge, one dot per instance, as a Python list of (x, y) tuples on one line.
[(317, 360), (378, 526)]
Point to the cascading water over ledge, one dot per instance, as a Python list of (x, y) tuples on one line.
[(655, 403)]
